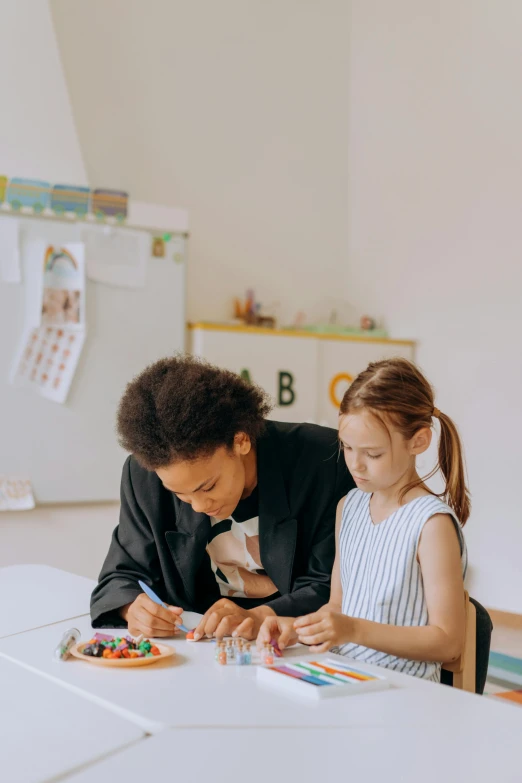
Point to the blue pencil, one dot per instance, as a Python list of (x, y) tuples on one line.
[(153, 597)]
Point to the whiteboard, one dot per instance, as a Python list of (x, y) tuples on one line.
[(70, 452)]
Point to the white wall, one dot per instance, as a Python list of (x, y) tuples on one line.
[(37, 135), (70, 452), (37, 140), (238, 110), (435, 162)]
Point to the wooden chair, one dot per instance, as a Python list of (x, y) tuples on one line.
[(464, 669)]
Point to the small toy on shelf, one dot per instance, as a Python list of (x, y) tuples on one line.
[(250, 312), (299, 320), (367, 324)]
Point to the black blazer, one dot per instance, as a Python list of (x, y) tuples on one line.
[(161, 540)]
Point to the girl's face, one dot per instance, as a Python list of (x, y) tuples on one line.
[(378, 459), (212, 485)]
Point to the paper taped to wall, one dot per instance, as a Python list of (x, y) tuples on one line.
[(15, 494), (117, 257), (47, 361), (10, 271), (55, 320)]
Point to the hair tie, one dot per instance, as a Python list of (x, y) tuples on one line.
[(436, 413)]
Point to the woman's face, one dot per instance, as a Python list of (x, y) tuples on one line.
[(212, 485)]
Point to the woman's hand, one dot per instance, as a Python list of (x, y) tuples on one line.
[(280, 629), (324, 629), (143, 616), (225, 618)]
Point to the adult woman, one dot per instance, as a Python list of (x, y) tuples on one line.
[(223, 512)]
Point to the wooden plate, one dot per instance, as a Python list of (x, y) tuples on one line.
[(165, 650)]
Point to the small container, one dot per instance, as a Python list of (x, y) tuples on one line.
[(231, 651), (269, 656), (240, 655), (222, 657), (67, 642), (247, 655)]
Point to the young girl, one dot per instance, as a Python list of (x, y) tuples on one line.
[(397, 595)]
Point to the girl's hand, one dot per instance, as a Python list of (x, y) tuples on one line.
[(279, 628), (324, 629)]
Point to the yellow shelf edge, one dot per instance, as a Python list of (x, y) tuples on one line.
[(356, 338)]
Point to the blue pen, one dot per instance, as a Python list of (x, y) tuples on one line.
[(153, 597)]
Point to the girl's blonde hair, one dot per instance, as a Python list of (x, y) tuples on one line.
[(396, 391)]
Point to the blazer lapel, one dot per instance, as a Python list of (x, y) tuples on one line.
[(277, 528)]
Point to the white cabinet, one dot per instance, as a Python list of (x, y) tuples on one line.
[(306, 374), (341, 360)]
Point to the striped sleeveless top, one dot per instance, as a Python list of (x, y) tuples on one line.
[(381, 576)]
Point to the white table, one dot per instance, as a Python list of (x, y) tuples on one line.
[(193, 691), (438, 753), (47, 731), (35, 595)]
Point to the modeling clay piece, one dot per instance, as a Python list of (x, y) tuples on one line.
[(105, 646)]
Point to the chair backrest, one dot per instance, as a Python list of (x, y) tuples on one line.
[(464, 669), (484, 631)]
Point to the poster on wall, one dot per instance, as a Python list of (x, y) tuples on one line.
[(63, 287), (55, 321)]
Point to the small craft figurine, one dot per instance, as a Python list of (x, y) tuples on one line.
[(367, 323), (249, 313)]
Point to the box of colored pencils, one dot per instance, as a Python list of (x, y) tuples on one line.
[(321, 677)]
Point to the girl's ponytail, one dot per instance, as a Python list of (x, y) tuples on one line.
[(451, 464)]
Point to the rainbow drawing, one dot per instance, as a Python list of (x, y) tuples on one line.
[(52, 255)]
